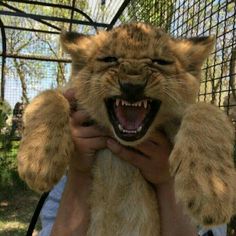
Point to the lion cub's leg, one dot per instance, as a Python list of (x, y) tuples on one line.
[(46, 144), (202, 163)]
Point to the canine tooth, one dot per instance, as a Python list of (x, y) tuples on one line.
[(145, 104), (120, 127), (117, 102), (122, 102), (139, 128)]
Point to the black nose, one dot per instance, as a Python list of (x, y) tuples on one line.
[(132, 92)]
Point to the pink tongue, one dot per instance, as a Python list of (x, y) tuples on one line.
[(130, 117)]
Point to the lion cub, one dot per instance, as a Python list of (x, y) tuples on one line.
[(134, 80)]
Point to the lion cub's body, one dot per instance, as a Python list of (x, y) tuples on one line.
[(163, 70), (122, 201)]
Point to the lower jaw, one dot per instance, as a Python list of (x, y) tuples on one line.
[(129, 139)]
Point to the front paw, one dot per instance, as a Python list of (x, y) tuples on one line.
[(205, 190), (46, 144)]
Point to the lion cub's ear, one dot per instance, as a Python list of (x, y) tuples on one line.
[(79, 46), (75, 44), (194, 51)]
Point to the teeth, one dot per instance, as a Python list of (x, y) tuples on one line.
[(139, 128), (117, 102), (129, 131), (120, 127), (143, 103)]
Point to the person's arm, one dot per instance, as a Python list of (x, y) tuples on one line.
[(50, 207), (171, 213), (73, 214)]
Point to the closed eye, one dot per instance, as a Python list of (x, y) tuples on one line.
[(162, 62), (108, 59)]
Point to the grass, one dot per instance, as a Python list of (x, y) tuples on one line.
[(17, 201), (16, 210)]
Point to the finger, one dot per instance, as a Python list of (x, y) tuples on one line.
[(87, 132), (126, 154), (79, 117), (91, 144), (159, 138), (149, 148), (70, 94), (156, 142)]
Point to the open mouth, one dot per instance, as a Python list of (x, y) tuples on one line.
[(131, 120)]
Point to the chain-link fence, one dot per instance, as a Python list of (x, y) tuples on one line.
[(31, 59), (34, 61), (196, 18)]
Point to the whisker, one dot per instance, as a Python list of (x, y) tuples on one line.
[(171, 96)]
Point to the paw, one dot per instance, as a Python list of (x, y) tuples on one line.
[(206, 191), (202, 165), (204, 180), (46, 144)]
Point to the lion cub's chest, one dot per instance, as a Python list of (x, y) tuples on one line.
[(122, 202)]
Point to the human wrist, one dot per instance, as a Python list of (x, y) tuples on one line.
[(73, 214), (164, 186), (80, 166), (78, 176), (165, 192), (171, 212)]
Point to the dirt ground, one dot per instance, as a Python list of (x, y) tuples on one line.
[(17, 204)]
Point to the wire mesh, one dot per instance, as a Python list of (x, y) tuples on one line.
[(35, 60), (196, 18), (33, 51)]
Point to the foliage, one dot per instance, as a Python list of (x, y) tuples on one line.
[(156, 12), (17, 202), (5, 111), (8, 165), (30, 74)]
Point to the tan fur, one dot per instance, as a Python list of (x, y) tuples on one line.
[(122, 202), (46, 143)]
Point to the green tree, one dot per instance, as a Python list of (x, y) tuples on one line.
[(158, 13)]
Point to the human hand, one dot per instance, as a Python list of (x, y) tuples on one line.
[(88, 139), (151, 157)]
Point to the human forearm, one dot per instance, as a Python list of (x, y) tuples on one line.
[(73, 214), (173, 221)]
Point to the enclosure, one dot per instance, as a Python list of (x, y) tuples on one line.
[(32, 60)]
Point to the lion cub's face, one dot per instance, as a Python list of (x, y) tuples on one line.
[(135, 77)]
